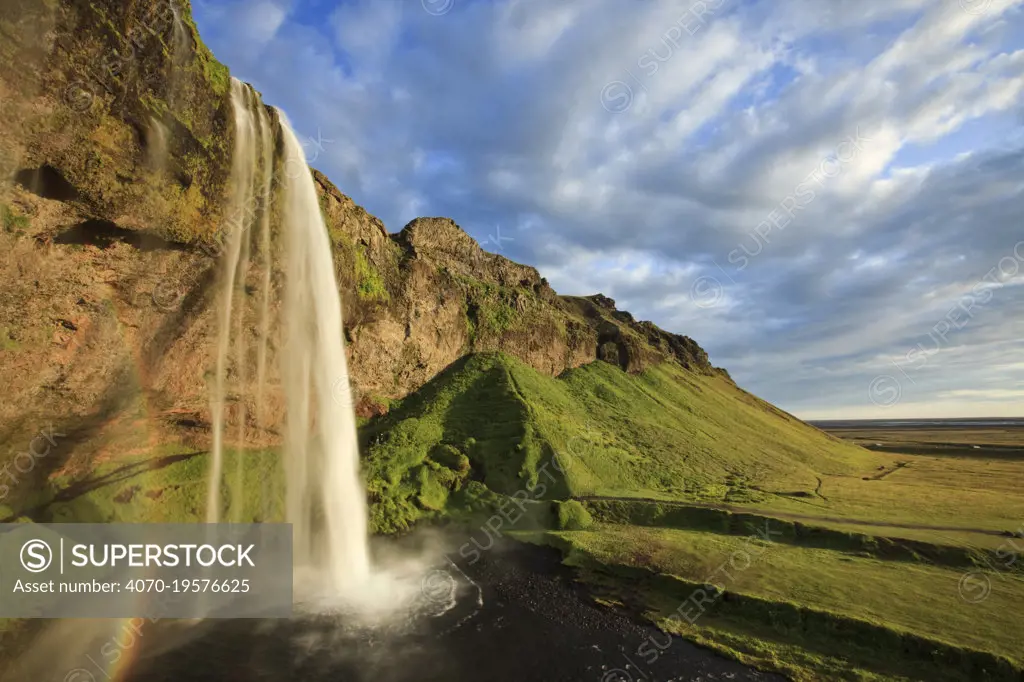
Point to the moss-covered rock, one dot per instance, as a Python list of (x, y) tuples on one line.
[(572, 515), (122, 105)]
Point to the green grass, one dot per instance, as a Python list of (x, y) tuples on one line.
[(469, 422), (829, 599), (774, 591), (11, 221), (665, 433), (572, 515), (687, 465), (917, 598), (168, 485), (860, 540), (672, 434)]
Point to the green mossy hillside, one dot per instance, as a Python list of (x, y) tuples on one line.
[(665, 433)]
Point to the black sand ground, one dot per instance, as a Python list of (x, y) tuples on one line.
[(535, 625)]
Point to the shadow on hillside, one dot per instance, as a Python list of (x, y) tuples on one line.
[(64, 438), (121, 474), (192, 304), (104, 234), (487, 412), (487, 419), (86, 512), (952, 450), (412, 403)]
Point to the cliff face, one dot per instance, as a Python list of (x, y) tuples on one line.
[(113, 158), (115, 153), (418, 300), (118, 110)]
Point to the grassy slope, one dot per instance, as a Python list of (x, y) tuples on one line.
[(491, 425), (668, 432), (903, 596), (665, 433)]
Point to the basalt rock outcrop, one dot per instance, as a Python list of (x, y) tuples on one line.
[(115, 156)]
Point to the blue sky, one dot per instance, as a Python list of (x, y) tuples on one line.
[(826, 195)]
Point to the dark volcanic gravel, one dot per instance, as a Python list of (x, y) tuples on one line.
[(535, 625)]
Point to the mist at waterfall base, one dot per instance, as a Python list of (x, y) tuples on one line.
[(274, 213)]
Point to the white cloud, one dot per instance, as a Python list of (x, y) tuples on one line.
[(367, 30), (493, 114), (258, 22)]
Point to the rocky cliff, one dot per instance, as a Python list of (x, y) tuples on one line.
[(115, 153)]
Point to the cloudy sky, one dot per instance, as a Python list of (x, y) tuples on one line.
[(828, 195)]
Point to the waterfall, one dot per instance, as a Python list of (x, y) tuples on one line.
[(243, 170), (326, 502), (267, 140), (181, 43), (156, 144), (325, 499)]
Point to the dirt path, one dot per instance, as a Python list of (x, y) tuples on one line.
[(796, 517)]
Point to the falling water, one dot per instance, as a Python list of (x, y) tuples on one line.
[(246, 162), (181, 43), (180, 52), (267, 140), (156, 144), (325, 500), (267, 264)]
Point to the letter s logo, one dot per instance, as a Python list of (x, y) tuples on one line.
[(36, 556)]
